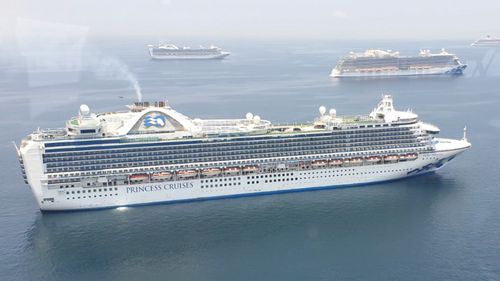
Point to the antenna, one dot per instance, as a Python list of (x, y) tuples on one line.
[(465, 134)]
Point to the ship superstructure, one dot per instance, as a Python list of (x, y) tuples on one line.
[(170, 51), (151, 153), (375, 63)]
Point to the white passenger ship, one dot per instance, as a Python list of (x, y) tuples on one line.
[(172, 52), (152, 153), (376, 63), (487, 41)]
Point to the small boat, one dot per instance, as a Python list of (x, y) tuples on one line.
[(373, 159), (319, 163), (138, 177), (336, 162), (391, 158), (250, 169), (210, 172), (162, 176), (232, 170), (187, 173)]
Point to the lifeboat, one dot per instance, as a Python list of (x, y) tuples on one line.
[(411, 156), (232, 170), (162, 176), (336, 162), (391, 158), (138, 177), (373, 159), (210, 172), (356, 161), (187, 173), (250, 169), (319, 163)]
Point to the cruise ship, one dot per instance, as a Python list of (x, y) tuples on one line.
[(171, 51), (487, 41), (376, 63), (152, 153)]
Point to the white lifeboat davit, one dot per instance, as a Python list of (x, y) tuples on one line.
[(356, 161), (336, 162), (373, 159), (138, 177), (210, 172), (162, 176), (250, 169), (391, 158), (410, 156), (319, 163), (187, 173), (232, 170)]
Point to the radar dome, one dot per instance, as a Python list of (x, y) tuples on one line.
[(256, 119), (84, 110), (322, 110), (249, 116), (333, 112)]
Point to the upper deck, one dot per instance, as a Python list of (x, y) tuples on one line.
[(158, 121)]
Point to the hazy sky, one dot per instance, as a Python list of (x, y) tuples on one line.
[(314, 19)]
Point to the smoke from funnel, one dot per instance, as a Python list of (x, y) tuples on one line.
[(113, 69), (62, 48), (138, 90)]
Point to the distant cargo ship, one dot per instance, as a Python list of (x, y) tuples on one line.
[(171, 51), (372, 63), (487, 41)]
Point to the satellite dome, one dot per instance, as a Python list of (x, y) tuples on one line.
[(249, 116), (256, 119), (322, 110), (84, 110), (333, 112)]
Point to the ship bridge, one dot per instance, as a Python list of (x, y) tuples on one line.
[(385, 110)]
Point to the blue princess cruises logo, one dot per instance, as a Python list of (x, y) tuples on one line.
[(155, 121)]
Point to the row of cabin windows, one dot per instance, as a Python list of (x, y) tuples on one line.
[(189, 158), (221, 184), (172, 153), (220, 180), (225, 145), (230, 163), (133, 163), (230, 155), (83, 191), (92, 196)]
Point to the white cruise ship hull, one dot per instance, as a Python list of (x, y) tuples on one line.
[(455, 70), (241, 185), (487, 43)]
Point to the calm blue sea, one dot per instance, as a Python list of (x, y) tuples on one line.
[(442, 226)]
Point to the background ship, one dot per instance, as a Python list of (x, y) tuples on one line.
[(170, 51), (487, 41), (373, 63)]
